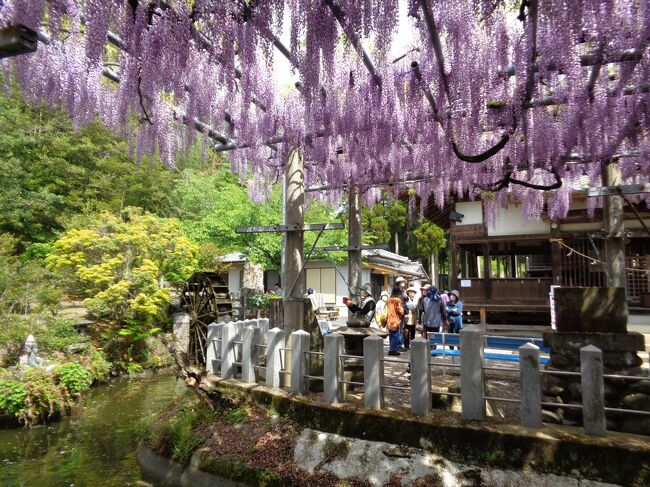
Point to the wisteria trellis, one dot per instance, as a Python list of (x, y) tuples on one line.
[(524, 95)]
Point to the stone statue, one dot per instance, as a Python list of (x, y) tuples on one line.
[(31, 349)]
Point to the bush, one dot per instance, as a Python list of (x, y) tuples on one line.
[(44, 397), (100, 367), (59, 335), (180, 433), (12, 398), (74, 377)]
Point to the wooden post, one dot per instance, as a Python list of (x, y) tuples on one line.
[(294, 199), (556, 255), (354, 240), (294, 241), (435, 270), (615, 241), (453, 267), (487, 286)]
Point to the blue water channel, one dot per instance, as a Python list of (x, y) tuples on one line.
[(93, 447)]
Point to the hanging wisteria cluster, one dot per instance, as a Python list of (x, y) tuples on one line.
[(498, 98)]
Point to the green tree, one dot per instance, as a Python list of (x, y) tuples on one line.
[(429, 239), (52, 171), (384, 220), (25, 287), (212, 203), (118, 264)]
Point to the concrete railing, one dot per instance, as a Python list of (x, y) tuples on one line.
[(237, 349)]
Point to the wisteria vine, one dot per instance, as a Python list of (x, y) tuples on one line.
[(512, 98)]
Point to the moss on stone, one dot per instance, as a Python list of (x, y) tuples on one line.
[(235, 469), (492, 443)]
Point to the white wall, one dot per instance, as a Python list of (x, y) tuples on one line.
[(340, 277), (234, 284), (510, 221), (473, 211)]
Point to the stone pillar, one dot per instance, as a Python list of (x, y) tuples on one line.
[(420, 376), (181, 331), (274, 342), (472, 375), (531, 396), (332, 380), (373, 372), (250, 353), (213, 349), (593, 391), (299, 361), (228, 336)]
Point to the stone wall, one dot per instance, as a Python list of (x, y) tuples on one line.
[(620, 357)]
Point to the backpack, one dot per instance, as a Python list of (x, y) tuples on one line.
[(381, 317)]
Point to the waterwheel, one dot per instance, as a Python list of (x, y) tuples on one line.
[(205, 298)]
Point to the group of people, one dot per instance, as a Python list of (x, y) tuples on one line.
[(403, 314)]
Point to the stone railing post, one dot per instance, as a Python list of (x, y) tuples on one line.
[(472, 375), (181, 331), (274, 342), (420, 376), (250, 353), (299, 361), (333, 387), (373, 372), (263, 323), (531, 395), (213, 348), (593, 391), (228, 336)]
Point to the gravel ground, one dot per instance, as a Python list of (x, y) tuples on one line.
[(445, 377)]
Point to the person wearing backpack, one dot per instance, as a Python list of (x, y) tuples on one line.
[(394, 320), (381, 313), (434, 318)]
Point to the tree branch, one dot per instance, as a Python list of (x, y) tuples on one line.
[(193, 377)]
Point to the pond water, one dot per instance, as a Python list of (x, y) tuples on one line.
[(93, 447)]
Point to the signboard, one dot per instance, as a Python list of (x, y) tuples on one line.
[(465, 283), (551, 296)]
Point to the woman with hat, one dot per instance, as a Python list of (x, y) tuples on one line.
[(411, 318), (455, 312), (365, 310)]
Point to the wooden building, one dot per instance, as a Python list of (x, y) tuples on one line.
[(505, 270), (379, 268)]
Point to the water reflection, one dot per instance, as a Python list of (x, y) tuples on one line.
[(93, 447)]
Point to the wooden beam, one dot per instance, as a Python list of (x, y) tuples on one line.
[(291, 228), (347, 248), (614, 190)]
